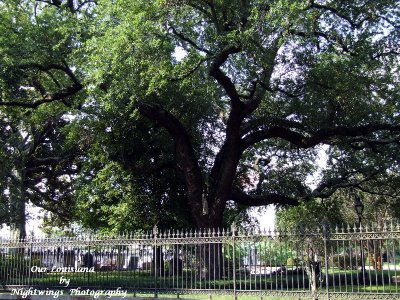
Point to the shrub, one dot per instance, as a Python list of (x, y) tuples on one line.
[(292, 262)]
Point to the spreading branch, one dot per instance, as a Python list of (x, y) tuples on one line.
[(336, 12), (62, 94), (259, 123), (190, 72), (70, 4), (184, 38), (326, 188), (314, 138)]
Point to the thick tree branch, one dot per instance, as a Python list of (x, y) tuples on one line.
[(308, 140), (274, 132), (260, 86), (329, 38), (222, 78), (40, 136), (372, 191), (48, 97), (37, 196), (338, 13), (185, 155), (46, 161), (38, 173), (282, 91), (259, 123), (56, 3), (259, 90), (70, 4), (197, 5), (227, 159), (326, 188), (84, 3), (385, 54), (391, 22), (360, 143)]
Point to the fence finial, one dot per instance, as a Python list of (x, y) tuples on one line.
[(155, 230), (233, 228)]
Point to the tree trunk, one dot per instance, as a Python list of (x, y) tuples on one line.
[(211, 263), (17, 207), (158, 261), (375, 254)]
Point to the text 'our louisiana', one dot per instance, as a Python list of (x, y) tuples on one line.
[(36, 269)]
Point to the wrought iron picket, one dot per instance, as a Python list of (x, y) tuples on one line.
[(363, 262)]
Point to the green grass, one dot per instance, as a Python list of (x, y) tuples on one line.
[(205, 297), (219, 297), (142, 279), (134, 280)]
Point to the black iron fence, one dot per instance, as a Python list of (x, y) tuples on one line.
[(325, 263)]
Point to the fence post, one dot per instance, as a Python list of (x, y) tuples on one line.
[(88, 263), (233, 229), (155, 232), (30, 260), (326, 237)]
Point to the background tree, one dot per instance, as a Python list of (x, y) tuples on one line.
[(36, 109), (370, 174)]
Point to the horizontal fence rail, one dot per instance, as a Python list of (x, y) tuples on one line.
[(321, 263)]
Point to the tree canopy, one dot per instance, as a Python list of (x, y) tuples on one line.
[(175, 111)]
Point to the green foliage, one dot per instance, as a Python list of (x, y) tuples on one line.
[(311, 214), (239, 215), (290, 262), (267, 253), (113, 201), (274, 254)]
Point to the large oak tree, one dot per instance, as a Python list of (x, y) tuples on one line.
[(211, 101), (250, 89)]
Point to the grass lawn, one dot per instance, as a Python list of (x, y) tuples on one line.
[(205, 297), (343, 281), (222, 297), (132, 279)]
